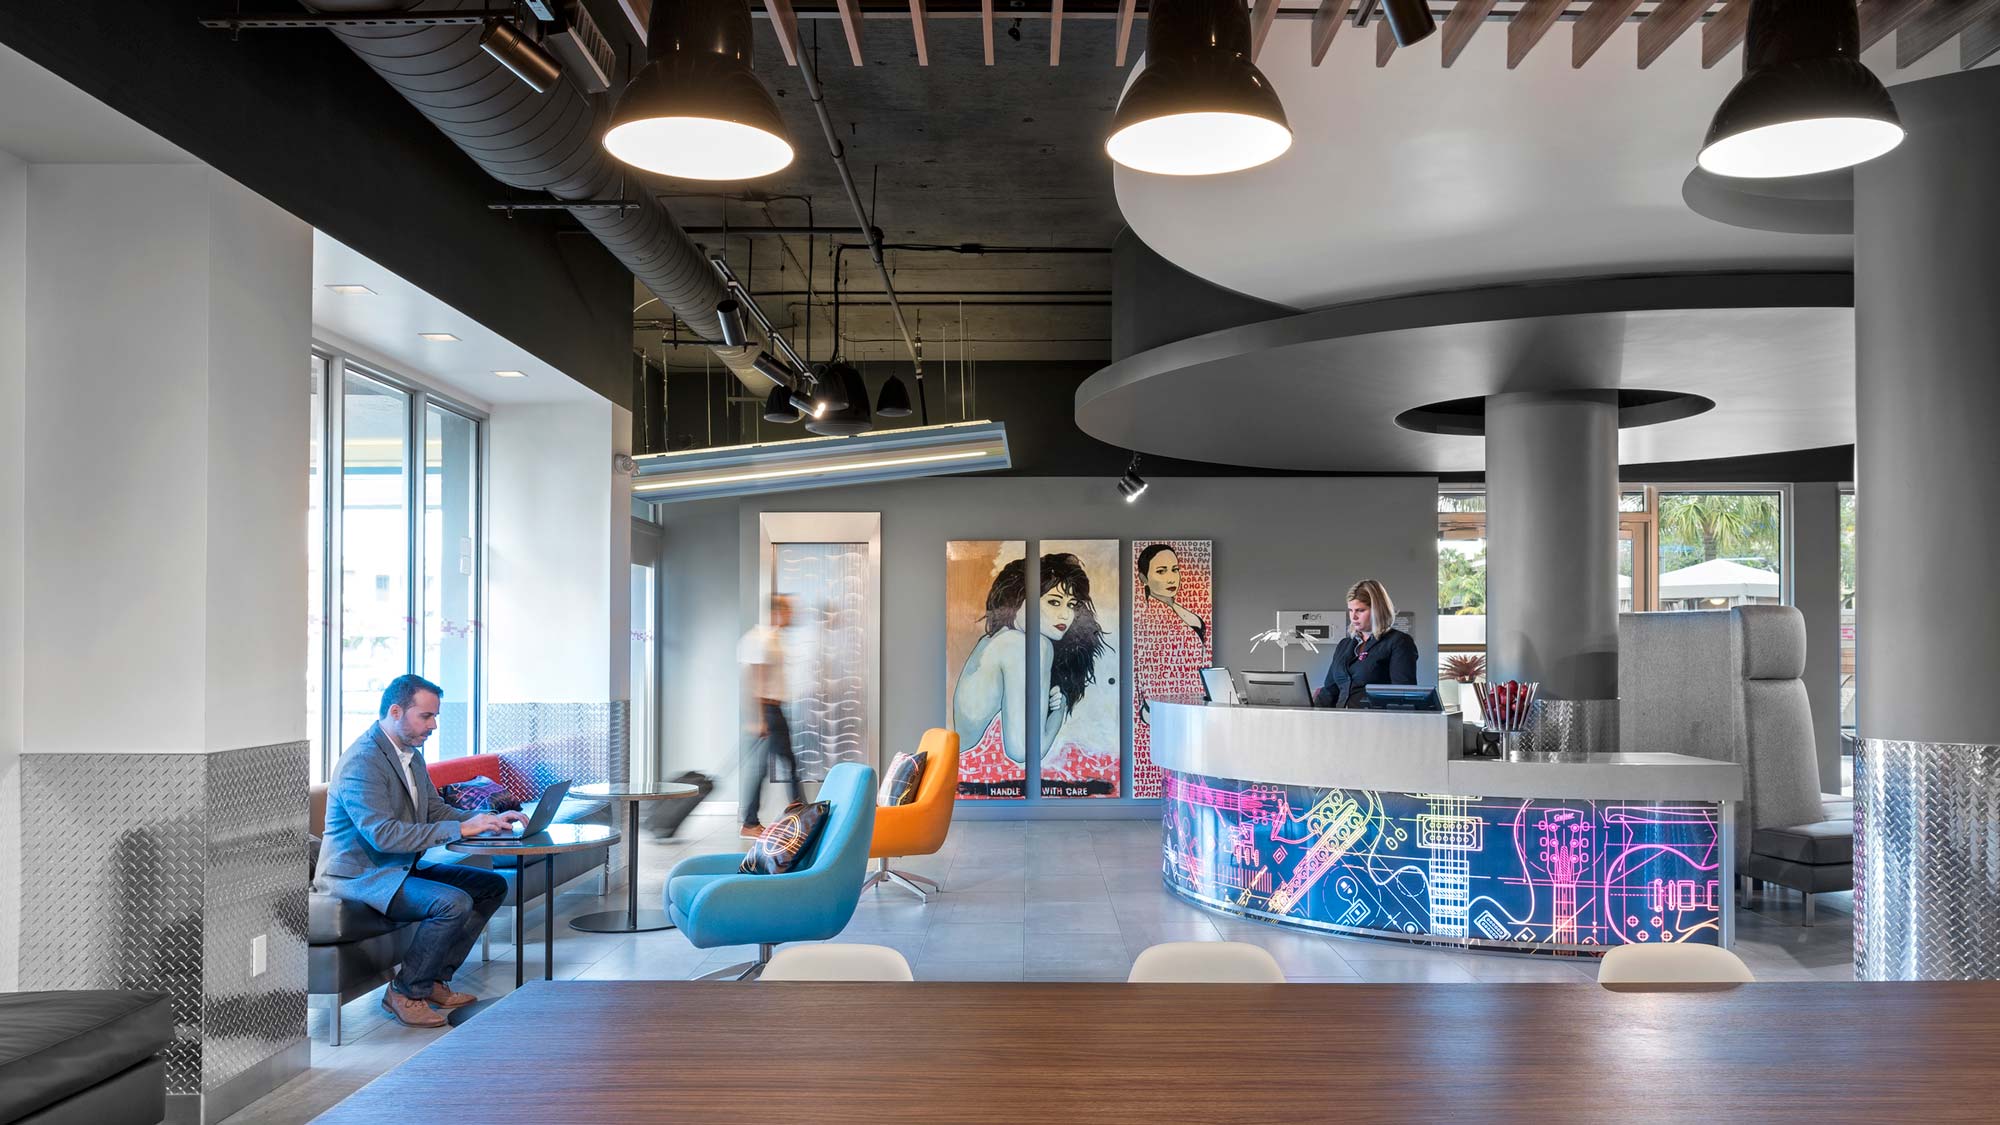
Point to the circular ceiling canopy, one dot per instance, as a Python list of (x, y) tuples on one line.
[(1322, 391)]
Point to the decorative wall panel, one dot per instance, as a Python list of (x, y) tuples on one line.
[(1926, 861), (1079, 617), (156, 872), (985, 654), (826, 651), (1173, 635), (550, 742)]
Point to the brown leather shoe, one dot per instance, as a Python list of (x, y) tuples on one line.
[(444, 997), (410, 1013)]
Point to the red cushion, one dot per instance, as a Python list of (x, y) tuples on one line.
[(455, 770)]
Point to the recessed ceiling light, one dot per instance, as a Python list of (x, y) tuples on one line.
[(512, 374), (352, 290), (439, 337)]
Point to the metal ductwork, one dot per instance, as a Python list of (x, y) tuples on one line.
[(541, 142)]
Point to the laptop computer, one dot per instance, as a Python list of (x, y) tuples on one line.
[(545, 815)]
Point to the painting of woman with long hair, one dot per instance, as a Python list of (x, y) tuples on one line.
[(1082, 743), (1172, 636), (986, 664)]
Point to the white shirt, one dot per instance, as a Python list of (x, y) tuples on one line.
[(409, 781), (762, 649)]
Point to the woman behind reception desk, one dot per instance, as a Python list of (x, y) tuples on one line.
[(1371, 653)]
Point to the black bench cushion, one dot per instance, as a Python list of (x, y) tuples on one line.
[(331, 920), (1827, 842), (53, 1044)]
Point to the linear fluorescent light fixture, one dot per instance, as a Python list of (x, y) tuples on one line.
[(351, 290), (439, 337), (824, 462), (512, 374)]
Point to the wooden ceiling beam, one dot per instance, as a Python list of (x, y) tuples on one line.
[(986, 28), (1055, 32), (1724, 33), (1459, 25), (1385, 43), (1126, 10), (1880, 17), (1528, 27), (850, 25), (1978, 41), (1594, 28), (1326, 25), (786, 24), (1935, 25), (919, 13), (1262, 12), (1664, 25)]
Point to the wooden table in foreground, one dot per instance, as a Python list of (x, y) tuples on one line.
[(634, 1051)]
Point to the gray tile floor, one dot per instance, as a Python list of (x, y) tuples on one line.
[(1024, 901)]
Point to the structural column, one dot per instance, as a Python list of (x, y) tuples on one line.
[(1552, 550), (1927, 777)]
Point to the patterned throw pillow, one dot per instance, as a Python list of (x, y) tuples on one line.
[(899, 782), (478, 795), (790, 836)]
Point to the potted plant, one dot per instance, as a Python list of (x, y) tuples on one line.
[(1467, 670)]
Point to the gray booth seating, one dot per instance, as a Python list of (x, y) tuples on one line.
[(84, 1058), (1727, 686), (352, 950)]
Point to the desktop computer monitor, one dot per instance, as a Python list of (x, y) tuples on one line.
[(1276, 689), (1402, 697)]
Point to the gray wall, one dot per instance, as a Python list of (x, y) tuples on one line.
[(1280, 543), (1815, 561)]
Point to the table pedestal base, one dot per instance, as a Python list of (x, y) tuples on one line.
[(621, 922)]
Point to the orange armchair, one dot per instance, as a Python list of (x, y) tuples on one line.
[(918, 828)]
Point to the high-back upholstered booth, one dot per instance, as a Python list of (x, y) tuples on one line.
[(1729, 686), (714, 904), (918, 828)]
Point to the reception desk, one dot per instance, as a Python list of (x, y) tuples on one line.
[(1371, 823)]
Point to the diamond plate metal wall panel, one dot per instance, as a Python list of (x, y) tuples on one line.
[(154, 872), (548, 742), (1926, 861), (255, 884), (113, 852)]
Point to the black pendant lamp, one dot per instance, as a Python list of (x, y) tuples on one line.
[(778, 405), (695, 110), (1200, 106), (851, 415), (894, 401), (1805, 103), (1410, 21)]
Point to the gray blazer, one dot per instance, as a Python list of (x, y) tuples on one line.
[(374, 834)]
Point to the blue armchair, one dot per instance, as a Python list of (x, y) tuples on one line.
[(715, 905)]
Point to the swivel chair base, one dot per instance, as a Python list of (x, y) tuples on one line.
[(747, 970), (907, 880)]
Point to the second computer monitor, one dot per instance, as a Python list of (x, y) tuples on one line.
[(1276, 689)]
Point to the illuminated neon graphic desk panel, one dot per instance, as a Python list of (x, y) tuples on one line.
[(1366, 823)]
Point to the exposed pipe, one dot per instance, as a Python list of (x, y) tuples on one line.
[(538, 142), (862, 219)]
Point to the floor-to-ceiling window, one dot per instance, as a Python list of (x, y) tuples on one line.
[(393, 553), (1720, 548)]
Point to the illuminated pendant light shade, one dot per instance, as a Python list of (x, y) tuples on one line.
[(1199, 107), (1805, 103), (695, 110), (851, 416)]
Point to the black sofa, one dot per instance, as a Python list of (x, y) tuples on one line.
[(84, 1058)]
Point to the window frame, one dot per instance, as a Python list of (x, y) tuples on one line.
[(422, 396)]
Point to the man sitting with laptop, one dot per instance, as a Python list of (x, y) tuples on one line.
[(382, 815)]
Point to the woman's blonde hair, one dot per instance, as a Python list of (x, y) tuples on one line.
[(1381, 611)]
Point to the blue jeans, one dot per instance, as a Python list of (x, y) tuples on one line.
[(776, 744), (450, 904)]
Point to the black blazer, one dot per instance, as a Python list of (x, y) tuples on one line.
[(1388, 659)]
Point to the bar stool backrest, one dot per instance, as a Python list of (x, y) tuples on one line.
[(1205, 962), (837, 962), (1677, 963)]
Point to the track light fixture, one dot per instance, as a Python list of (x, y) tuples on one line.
[(774, 369), (1131, 486), (730, 314), (1200, 106), (841, 381), (806, 406), (521, 55), (1409, 20), (1805, 103), (894, 401), (696, 110), (778, 405)]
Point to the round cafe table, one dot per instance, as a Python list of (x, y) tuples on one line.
[(630, 920), (543, 846)]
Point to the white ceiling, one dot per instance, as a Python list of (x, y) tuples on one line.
[(1414, 177), (45, 120), (383, 327)]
